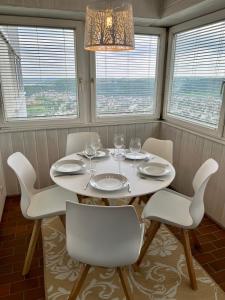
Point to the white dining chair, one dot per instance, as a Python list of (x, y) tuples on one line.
[(76, 141), (162, 148), (102, 236), (37, 204), (172, 208)]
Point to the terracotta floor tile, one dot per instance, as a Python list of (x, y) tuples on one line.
[(218, 265), (6, 269), (207, 229), (34, 294), (219, 253), (12, 277), (219, 277), (4, 290), (18, 296), (204, 258), (24, 285), (220, 243)]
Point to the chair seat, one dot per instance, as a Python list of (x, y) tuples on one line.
[(169, 207), (50, 202)]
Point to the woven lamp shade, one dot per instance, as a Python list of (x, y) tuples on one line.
[(109, 26)]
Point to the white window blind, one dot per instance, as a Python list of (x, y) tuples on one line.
[(126, 81), (198, 70), (38, 72)]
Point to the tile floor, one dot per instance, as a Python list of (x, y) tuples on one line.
[(14, 237)]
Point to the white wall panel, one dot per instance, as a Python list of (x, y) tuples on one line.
[(44, 147), (190, 151)]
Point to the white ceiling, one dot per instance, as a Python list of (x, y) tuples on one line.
[(147, 12)]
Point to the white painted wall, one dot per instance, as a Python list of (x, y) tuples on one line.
[(142, 8)]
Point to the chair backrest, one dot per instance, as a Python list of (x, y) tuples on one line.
[(26, 176), (162, 148), (103, 236), (200, 181), (76, 141)]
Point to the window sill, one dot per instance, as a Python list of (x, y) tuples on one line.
[(216, 139), (71, 124)]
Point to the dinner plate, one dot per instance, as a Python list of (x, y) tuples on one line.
[(108, 182), (71, 166), (137, 156), (154, 169)]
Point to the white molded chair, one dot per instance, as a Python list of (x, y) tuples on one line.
[(103, 236), (162, 148), (37, 204), (76, 141), (178, 210)]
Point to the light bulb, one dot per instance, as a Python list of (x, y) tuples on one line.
[(109, 21)]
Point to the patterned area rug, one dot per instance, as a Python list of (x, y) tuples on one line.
[(163, 273)]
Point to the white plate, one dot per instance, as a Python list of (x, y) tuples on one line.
[(69, 166), (108, 182), (137, 156), (100, 153), (154, 169)]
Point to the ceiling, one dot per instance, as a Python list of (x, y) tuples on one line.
[(147, 12)]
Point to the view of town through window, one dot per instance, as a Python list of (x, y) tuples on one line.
[(198, 71), (38, 72), (126, 81)]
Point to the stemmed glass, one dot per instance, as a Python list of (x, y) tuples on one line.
[(119, 141), (90, 152), (135, 146)]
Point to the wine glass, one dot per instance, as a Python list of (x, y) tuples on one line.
[(118, 141), (90, 152), (97, 143), (135, 146)]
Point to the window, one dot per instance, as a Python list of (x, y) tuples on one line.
[(38, 73), (126, 81), (197, 74)]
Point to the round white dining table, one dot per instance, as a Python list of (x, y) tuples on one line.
[(128, 168)]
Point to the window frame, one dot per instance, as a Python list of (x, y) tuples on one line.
[(81, 68), (194, 126), (123, 118)]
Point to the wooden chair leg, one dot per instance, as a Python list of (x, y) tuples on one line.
[(189, 260), (79, 198), (63, 220), (196, 242), (32, 246), (131, 201), (79, 282), (106, 201), (123, 278), (153, 228)]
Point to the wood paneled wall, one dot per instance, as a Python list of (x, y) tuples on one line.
[(44, 147), (190, 151)]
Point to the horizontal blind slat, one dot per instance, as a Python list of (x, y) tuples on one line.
[(126, 81), (197, 73), (38, 72)]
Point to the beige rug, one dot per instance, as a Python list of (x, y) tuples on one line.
[(163, 273)]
